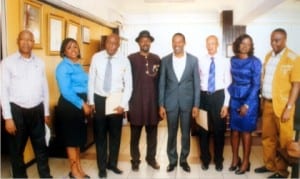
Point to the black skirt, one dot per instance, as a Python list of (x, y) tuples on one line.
[(71, 122)]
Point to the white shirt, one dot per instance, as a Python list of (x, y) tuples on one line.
[(179, 65), (222, 74), (121, 77), (24, 83), (269, 74)]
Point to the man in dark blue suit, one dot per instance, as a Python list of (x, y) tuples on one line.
[(179, 98)]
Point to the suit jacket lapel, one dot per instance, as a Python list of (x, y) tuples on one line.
[(172, 68)]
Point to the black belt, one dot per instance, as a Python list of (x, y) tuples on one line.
[(267, 99), (211, 93)]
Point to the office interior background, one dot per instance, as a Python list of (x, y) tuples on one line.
[(89, 21)]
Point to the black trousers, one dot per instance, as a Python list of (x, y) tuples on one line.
[(107, 129), (213, 103), (29, 123), (135, 135)]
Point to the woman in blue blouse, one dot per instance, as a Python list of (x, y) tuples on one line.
[(244, 100), (72, 106)]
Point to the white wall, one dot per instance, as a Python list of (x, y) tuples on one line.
[(195, 28), (261, 31)]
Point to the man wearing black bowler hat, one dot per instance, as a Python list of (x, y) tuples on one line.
[(143, 103)]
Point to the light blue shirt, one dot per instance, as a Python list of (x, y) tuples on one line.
[(71, 79)]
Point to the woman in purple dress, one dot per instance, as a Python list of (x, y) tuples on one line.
[(244, 102)]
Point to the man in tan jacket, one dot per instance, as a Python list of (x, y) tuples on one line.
[(281, 82)]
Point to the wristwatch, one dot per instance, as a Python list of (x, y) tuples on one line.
[(289, 106)]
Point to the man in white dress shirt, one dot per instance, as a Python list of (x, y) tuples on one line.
[(215, 102), (25, 104), (109, 73)]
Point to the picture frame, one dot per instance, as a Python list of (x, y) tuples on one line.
[(85, 34), (31, 19), (56, 33), (73, 30)]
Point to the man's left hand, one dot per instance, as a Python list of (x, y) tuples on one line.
[(195, 112)]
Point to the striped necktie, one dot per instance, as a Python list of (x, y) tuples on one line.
[(211, 77)]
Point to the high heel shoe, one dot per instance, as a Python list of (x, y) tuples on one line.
[(241, 172), (72, 176), (233, 168)]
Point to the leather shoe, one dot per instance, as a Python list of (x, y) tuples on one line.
[(171, 167), (204, 166), (114, 169), (262, 169), (154, 165), (219, 167), (185, 166), (276, 175), (102, 174), (135, 165)]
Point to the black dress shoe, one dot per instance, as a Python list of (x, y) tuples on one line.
[(135, 165), (235, 167), (154, 165), (114, 169), (262, 169), (185, 166), (102, 174), (171, 167), (219, 167), (276, 175), (204, 166)]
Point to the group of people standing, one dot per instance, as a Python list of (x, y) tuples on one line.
[(151, 89)]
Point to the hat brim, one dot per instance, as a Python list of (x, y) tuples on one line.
[(150, 37)]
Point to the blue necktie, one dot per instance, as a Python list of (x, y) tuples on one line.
[(211, 77), (107, 77)]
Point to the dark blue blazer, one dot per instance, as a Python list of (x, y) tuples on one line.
[(183, 94)]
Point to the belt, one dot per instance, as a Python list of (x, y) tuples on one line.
[(211, 93), (267, 99)]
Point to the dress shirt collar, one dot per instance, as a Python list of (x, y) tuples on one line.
[(279, 54), (183, 57), (31, 58), (215, 56), (71, 62), (116, 55)]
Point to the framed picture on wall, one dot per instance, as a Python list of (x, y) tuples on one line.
[(56, 31), (73, 30), (85, 34), (31, 15)]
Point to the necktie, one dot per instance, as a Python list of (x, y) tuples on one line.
[(211, 77), (107, 77)]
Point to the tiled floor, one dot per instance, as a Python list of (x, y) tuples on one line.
[(60, 166)]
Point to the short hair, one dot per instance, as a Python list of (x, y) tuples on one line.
[(64, 43), (179, 34), (280, 30), (238, 41)]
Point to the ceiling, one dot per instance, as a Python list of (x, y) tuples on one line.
[(244, 10)]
